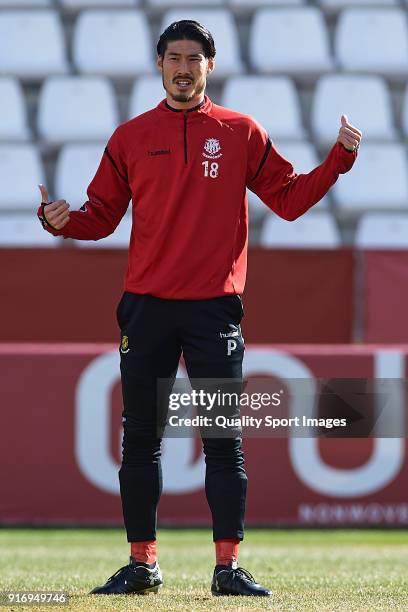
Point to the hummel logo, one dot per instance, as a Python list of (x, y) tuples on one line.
[(231, 334), (159, 152)]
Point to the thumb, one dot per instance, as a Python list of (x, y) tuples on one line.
[(44, 194), (344, 120)]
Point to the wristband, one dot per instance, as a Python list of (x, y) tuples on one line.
[(43, 217)]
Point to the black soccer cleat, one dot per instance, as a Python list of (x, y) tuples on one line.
[(233, 580), (133, 579)]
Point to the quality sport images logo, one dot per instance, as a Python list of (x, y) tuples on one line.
[(212, 148)]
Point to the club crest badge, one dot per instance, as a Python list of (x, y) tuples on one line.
[(124, 345), (212, 148)]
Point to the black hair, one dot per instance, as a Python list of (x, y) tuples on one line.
[(187, 30)]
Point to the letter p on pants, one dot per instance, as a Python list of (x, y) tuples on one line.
[(232, 345)]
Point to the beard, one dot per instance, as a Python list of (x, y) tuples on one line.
[(182, 97)]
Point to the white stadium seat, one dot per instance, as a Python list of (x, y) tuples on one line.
[(24, 230), (302, 156), (373, 40), (273, 101), (76, 108), (405, 112), (31, 44), (118, 240), (364, 99), (162, 4), (379, 179), (21, 171), (245, 5), (256, 208), (13, 4), (146, 93), (335, 5), (76, 167), (309, 231), (382, 231), (293, 41), (13, 116), (112, 42), (222, 26), (74, 5)]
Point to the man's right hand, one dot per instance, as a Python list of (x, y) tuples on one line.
[(56, 213)]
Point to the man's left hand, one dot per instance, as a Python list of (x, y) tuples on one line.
[(349, 136)]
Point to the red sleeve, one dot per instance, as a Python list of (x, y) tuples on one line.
[(108, 198), (274, 181)]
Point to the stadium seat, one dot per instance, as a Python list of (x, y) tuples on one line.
[(118, 240), (13, 116), (23, 52), (116, 43), (249, 5), (273, 101), (331, 6), (405, 112), (76, 109), (377, 180), (256, 208), (146, 93), (373, 40), (222, 26), (21, 171), (76, 167), (290, 40), (12, 4), (74, 5), (24, 230), (338, 94), (309, 231), (162, 4), (382, 231)]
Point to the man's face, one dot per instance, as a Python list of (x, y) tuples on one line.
[(184, 69)]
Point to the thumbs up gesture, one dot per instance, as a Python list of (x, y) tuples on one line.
[(349, 136), (56, 213)]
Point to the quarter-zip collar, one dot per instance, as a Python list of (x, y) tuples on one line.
[(187, 116), (204, 107)]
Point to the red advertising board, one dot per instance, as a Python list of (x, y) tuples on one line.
[(61, 435), (291, 295), (385, 285)]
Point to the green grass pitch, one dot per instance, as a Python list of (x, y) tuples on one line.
[(346, 570)]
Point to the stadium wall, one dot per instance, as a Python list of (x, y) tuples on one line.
[(292, 296), (70, 295)]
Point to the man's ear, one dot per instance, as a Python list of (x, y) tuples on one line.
[(159, 63), (210, 65)]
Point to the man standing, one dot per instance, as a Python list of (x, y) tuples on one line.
[(186, 164)]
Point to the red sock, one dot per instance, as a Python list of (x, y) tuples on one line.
[(226, 551), (145, 552)]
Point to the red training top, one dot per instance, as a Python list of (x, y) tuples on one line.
[(186, 173)]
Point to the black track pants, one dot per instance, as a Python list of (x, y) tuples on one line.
[(154, 333)]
